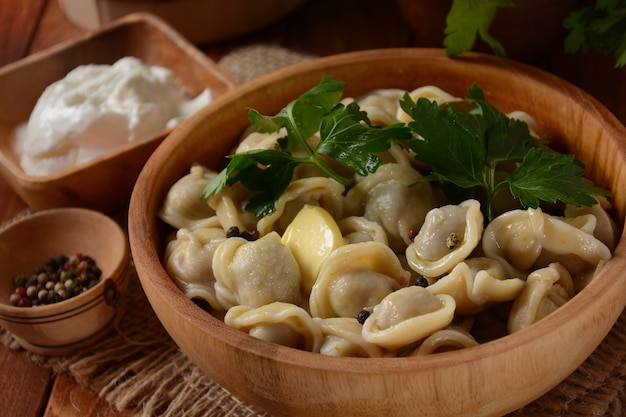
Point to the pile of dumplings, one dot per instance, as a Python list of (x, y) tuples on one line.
[(380, 269)]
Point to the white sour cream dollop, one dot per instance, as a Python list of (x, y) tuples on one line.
[(97, 109)]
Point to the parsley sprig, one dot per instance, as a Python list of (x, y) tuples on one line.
[(346, 136), (466, 20), (466, 149), (601, 26)]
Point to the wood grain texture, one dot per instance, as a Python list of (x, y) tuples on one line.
[(19, 23), (28, 26), (24, 385), (69, 399)]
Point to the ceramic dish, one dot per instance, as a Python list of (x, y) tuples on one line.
[(77, 322), (486, 380), (104, 183)]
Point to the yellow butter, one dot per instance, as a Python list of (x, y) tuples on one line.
[(312, 236)]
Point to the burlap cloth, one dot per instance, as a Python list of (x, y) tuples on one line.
[(139, 369)]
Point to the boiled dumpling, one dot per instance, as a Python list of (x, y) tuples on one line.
[(475, 282), (450, 338), (188, 259), (255, 273), (354, 277), (546, 290), (183, 207), (605, 228), (229, 208), (382, 106), (525, 239), (429, 92), (407, 316), (390, 198), (282, 323), (254, 140), (343, 337), (356, 229), (448, 236)]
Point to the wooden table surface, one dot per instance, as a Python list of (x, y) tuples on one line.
[(320, 27)]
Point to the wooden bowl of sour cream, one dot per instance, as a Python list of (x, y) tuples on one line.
[(491, 379), (106, 181)]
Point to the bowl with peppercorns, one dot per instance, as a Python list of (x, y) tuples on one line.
[(63, 279), (314, 243)]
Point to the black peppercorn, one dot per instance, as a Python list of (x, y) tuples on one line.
[(362, 316)]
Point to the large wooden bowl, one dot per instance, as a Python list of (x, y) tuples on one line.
[(491, 379)]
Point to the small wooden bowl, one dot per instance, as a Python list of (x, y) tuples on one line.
[(104, 183), (487, 380), (200, 21), (75, 323)]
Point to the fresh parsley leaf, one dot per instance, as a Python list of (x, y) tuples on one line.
[(466, 19), (448, 146), (601, 27), (346, 136), (266, 171), (269, 176), (302, 116), (466, 149), (550, 177), (506, 139)]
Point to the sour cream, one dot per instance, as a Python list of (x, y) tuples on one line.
[(97, 109)]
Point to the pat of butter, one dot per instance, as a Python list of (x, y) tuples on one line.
[(312, 236)]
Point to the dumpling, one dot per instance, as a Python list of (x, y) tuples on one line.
[(356, 229), (390, 198), (450, 338), (476, 282), (183, 207), (255, 273), (523, 240), (343, 337), (354, 277), (382, 106), (407, 316), (429, 92), (282, 323), (546, 290), (448, 236), (229, 206), (257, 140), (319, 191), (605, 228), (188, 259)]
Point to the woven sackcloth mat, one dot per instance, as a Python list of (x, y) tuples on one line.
[(140, 370)]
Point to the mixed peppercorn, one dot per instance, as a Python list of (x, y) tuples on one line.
[(58, 279)]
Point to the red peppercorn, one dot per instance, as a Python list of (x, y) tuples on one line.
[(24, 302)]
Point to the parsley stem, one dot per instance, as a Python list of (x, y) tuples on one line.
[(491, 191), (317, 161)]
